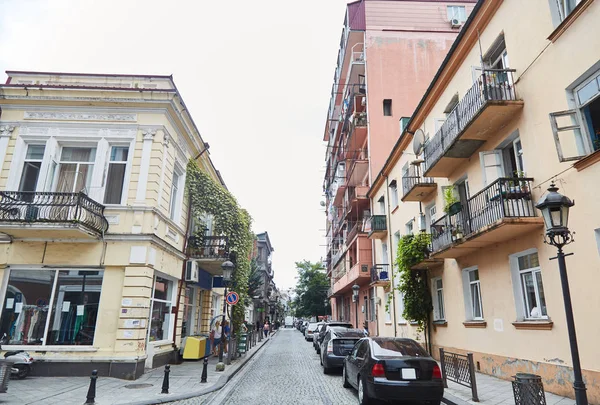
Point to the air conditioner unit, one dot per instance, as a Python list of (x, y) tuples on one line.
[(455, 23), (192, 273)]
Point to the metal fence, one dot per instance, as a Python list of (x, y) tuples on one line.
[(208, 247), (45, 207), (460, 369)]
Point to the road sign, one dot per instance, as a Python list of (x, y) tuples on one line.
[(232, 298)]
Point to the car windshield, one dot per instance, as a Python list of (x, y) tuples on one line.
[(341, 333), (395, 348), (312, 326)]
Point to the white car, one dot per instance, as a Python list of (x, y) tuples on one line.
[(310, 329)]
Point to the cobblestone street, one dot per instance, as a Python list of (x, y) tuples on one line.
[(287, 371)]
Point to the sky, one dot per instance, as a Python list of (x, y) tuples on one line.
[(255, 75)]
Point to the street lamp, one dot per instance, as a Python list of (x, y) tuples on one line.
[(555, 211), (227, 267), (355, 289)]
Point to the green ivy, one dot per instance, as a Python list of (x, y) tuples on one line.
[(412, 249), (209, 197)]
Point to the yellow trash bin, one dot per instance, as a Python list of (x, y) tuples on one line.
[(195, 348)]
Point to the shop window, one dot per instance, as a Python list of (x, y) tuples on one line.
[(188, 328), (161, 318), (75, 297)]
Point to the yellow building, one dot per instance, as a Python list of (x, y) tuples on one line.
[(515, 104), (93, 222)]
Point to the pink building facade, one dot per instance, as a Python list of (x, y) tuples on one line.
[(389, 53)]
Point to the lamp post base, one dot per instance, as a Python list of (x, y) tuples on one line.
[(220, 366)]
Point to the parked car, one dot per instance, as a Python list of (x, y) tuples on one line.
[(337, 344), (303, 326), (331, 324), (321, 326), (310, 329), (393, 369)]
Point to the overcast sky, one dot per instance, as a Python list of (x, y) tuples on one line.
[(256, 76)]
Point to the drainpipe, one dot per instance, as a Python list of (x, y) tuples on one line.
[(388, 218)]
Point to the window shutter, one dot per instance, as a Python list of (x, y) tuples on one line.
[(491, 165), (566, 128)]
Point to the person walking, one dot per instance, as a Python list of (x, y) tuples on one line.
[(216, 338), (266, 328), (226, 334)]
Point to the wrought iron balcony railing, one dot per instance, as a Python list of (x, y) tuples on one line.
[(409, 182), (208, 247), (504, 198), (380, 272), (378, 223), (45, 207), (492, 85)]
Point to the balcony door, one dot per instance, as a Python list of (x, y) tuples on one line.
[(75, 169)]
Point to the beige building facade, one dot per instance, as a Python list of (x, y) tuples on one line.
[(514, 106), (94, 222)]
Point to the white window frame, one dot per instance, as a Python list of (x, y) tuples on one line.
[(59, 348), (394, 195), (175, 210), (558, 9), (173, 301), (468, 294), (381, 205), (518, 291), (126, 177), (439, 313), (410, 227), (454, 11)]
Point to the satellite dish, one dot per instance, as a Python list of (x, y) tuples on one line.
[(418, 141)]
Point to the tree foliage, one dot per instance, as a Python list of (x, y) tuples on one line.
[(254, 279), (209, 197), (412, 249), (311, 290)]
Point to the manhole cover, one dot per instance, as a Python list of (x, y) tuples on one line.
[(137, 386)]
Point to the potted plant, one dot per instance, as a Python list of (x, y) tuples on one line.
[(459, 232), (451, 203), (524, 187)]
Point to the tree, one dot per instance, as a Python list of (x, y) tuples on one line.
[(254, 280), (311, 290)]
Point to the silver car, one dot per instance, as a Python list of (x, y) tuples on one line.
[(310, 329)]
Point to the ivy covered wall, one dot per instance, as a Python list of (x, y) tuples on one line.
[(209, 197)]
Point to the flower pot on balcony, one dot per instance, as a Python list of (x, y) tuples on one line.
[(454, 208)]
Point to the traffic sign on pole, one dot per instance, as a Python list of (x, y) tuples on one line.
[(232, 298)]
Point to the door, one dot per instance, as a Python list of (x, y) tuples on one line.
[(353, 361), (492, 165)]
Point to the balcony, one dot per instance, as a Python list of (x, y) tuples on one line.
[(356, 201), (377, 226), (209, 251), (359, 166), (51, 215), (484, 110), (417, 188), (501, 211), (380, 275), (359, 274)]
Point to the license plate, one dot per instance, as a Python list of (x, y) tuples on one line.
[(408, 374)]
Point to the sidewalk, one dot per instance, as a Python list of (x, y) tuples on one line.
[(184, 382), (492, 391)]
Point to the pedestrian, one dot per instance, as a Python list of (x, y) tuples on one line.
[(216, 338), (258, 325), (266, 328), (366, 328), (226, 334)]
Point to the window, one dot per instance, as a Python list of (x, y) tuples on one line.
[(388, 303), (70, 298), (432, 210), (115, 177), (528, 287), (397, 348), (472, 291), (188, 328), (31, 167), (161, 319), (394, 193), (372, 298), (396, 240), (403, 124), (561, 9), (457, 12), (387, 107), (381, 204), (400, 304), (384, 253), (75, 169), (409, 227), (438, 299), (175, 195), (362, 349)]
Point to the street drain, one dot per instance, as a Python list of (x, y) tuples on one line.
[(137, 386)]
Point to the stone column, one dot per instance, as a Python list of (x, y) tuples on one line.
[(148, 138), (5, 134)]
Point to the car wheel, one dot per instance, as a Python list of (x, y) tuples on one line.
[(363, 397), (345, 382), (23, 371), (318, 351)]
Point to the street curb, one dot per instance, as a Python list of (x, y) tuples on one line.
[(452, 400), (224, 379)]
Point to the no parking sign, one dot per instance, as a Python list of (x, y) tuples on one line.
[(232, 298)]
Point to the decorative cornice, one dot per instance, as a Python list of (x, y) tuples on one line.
[(6, 130), (74, 116), (166, 139)]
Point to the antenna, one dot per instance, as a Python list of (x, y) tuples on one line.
[(418, 142)]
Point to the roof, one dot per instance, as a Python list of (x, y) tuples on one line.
[(31, 72), (264, 237)]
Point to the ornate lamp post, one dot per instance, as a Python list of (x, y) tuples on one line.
[(555, 211), (355, 289), (227, 273)]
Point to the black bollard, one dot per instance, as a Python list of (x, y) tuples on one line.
[(91, 395), (204, 369), (165, 386)]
